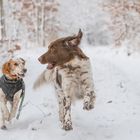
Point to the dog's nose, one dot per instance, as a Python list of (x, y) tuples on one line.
[(24, 70)]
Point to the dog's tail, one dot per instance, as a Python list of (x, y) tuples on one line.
[(44, 77)]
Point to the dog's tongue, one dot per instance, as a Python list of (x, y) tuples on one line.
[(50, 66)]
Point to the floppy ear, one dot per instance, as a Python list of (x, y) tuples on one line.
[(6, 68), (75, 41)]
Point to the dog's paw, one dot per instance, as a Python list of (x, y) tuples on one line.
[(11, 116), (89, 102), (67, 126), (88, 106), (6, 116), (3, 127)]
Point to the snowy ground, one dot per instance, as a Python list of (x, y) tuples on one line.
[(117, 111)]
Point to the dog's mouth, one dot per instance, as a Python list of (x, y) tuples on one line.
[(17, 76), (50, 65), (21, 75)]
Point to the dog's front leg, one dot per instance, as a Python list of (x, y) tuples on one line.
[(2, 120), (89, 100), (64, 110), (88, 88), (4, 115), (4, 112), (60, 103), (63, 87), (66, 103), (14, 105), (67, 123)]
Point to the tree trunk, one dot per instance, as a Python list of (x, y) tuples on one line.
[(2, 24), (37, 25), (42, 24)]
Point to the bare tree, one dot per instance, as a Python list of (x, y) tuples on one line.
[(125, 17), (2, 23), (38, 17)]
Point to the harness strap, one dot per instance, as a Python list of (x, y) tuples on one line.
[(20, 106), (21, 102)]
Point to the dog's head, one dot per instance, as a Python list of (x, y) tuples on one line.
[(62, 51), (14, 68)]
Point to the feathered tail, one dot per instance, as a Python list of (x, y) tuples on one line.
[(44, 77)]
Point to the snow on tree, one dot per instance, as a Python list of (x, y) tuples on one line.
[(125, 17), (26, 23), (31, 20), (87, 15), (2, 23), (38, 18)]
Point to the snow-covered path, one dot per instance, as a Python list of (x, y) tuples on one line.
[(117, 112)]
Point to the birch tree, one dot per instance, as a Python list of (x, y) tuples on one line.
[(2, 23), (38, 17), (125, 17)]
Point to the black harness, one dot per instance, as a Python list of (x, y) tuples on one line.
[(10, 87)]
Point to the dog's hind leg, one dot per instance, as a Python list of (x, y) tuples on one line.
[(44, 77)]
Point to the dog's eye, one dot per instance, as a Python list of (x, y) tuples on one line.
[(16, 64)]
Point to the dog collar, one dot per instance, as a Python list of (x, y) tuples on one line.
[(7, 80)]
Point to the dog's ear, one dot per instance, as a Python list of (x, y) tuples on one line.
[(6, 68), (75, 40)]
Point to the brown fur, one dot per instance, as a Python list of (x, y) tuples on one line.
[(6, 69), (11, 65), (63, 50)]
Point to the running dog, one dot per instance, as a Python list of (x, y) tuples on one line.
[(70, 70), (11, 89)]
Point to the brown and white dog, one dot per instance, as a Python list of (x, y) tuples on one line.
[(11, 89), (70, 70)]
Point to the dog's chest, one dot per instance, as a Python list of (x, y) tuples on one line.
[(66, 75), (72, 74), (10, 87)]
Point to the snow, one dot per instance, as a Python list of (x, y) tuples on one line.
[(117, 110), (116, 76)]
